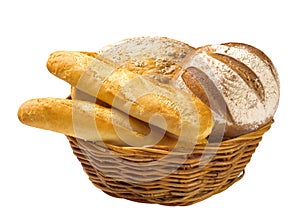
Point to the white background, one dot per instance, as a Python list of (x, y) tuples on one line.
[(41, 178)]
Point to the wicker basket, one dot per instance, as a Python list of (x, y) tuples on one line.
[(132, 173)]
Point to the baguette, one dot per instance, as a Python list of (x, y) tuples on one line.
[(183, 115), (89, 121)]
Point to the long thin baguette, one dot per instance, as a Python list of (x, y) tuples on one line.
[(140, 96), (88, 121)]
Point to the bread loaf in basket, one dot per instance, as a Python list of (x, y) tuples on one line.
[(154, 120)]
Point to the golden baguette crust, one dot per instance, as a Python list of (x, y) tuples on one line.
[(167, 139), (77, 94), (142, 97), (185, 116), (83, 120)]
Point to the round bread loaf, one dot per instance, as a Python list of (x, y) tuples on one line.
[(238, 81)]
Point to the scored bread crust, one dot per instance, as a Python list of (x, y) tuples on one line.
[(247, 85)]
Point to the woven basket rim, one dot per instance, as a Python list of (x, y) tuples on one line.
[(258, 132), (165, 149)]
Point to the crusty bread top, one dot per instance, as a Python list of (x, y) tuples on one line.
[(140, 48), (246, 81)]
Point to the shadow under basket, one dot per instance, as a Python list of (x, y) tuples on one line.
[(162, 175)]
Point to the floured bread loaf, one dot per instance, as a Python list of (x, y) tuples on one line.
[(142, 48), (238, 81)]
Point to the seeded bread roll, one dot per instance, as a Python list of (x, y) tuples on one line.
[(160, 57), (239, 83), (143, 48)]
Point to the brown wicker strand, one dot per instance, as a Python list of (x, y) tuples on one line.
[(134, 173)]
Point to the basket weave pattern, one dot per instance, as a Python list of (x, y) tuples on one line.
[(132, 173)]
